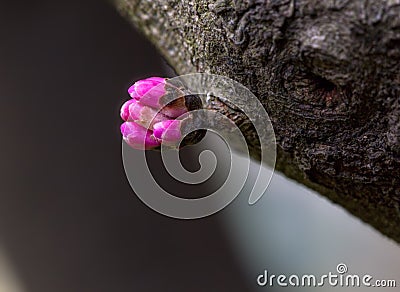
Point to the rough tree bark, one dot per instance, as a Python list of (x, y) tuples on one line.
[(327, 72)]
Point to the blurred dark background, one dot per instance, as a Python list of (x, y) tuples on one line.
[(68, 218)]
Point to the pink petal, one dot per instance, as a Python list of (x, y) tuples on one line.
[(141, 87), (125, 109), (144, 115), (169, 130), (157, 79), (138, 137)]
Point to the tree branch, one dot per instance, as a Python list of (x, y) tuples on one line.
[(327, 72)]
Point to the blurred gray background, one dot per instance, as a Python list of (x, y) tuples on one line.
[(69, 220)]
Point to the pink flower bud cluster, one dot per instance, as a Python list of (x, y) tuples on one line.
[(146, 126)]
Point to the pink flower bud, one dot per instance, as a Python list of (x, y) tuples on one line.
[(148, 91), (138, 137), (144, 115), (169, 130), (148, 123), (125, 109)]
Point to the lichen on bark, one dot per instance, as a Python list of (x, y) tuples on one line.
[(326, 71)]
